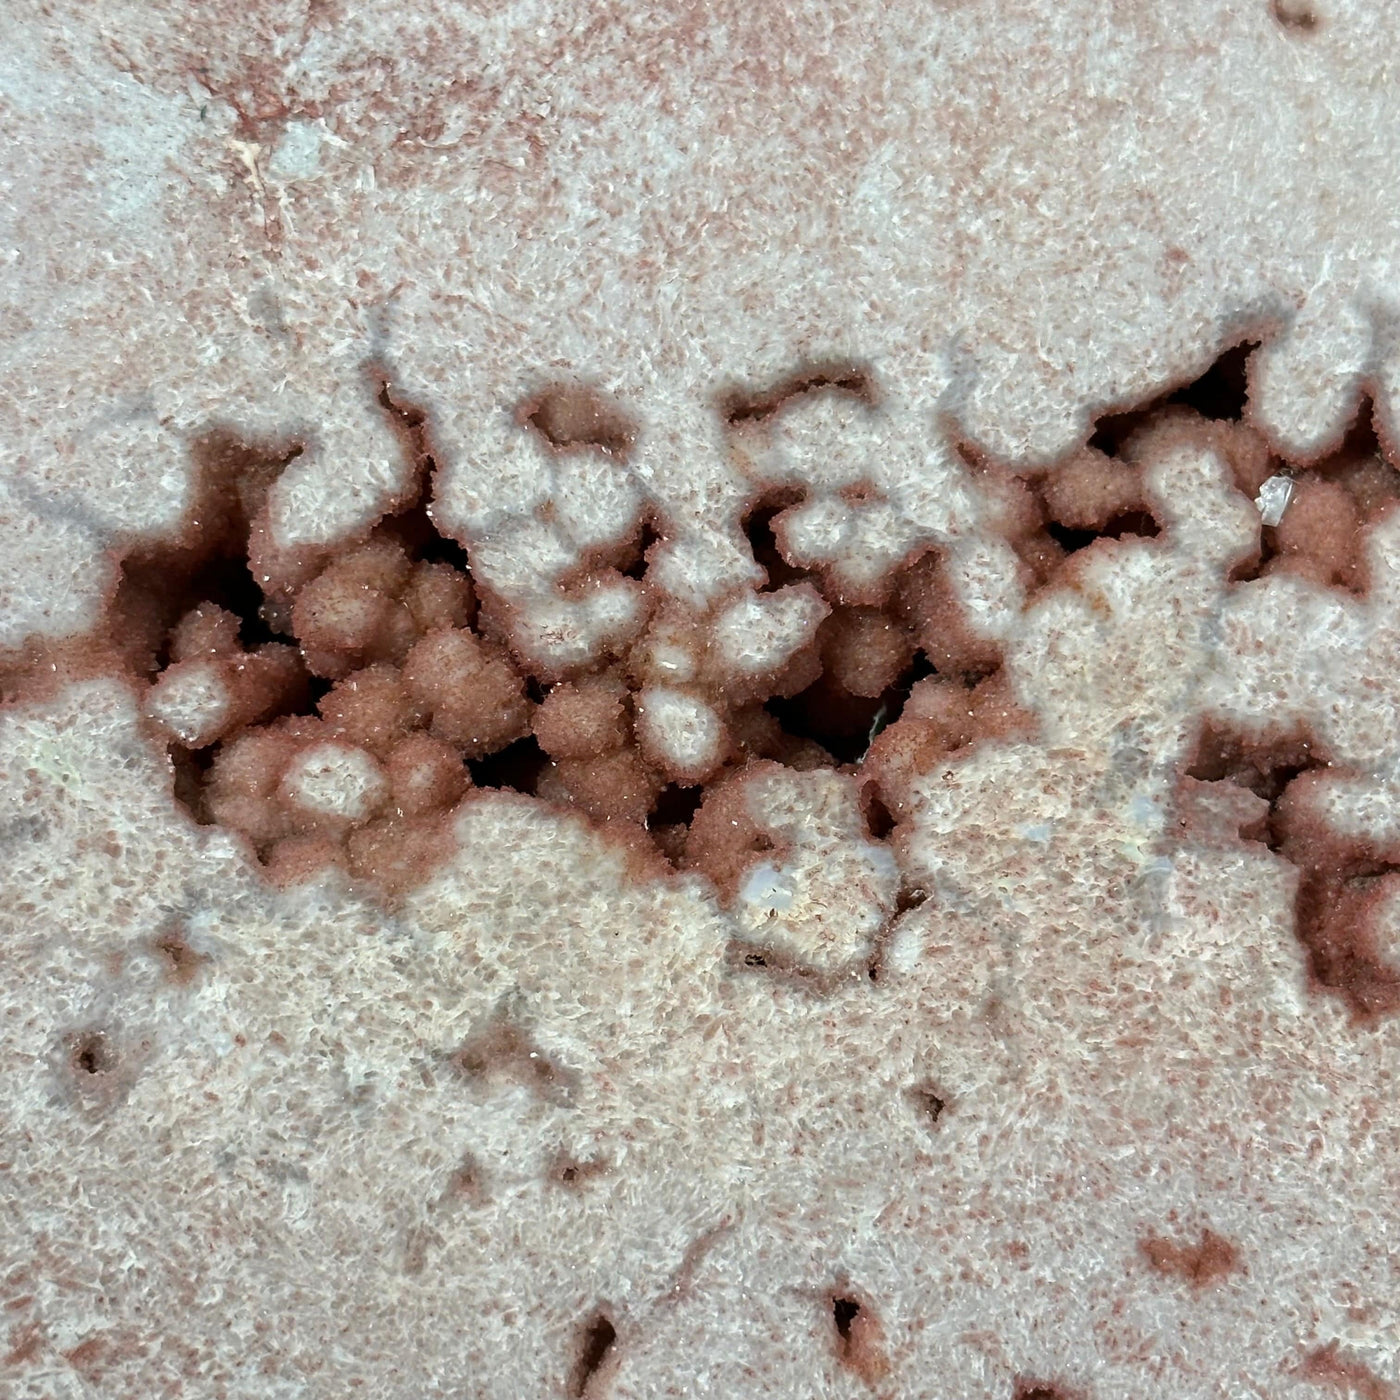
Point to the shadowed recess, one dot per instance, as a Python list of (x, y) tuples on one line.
[(596, 1341)]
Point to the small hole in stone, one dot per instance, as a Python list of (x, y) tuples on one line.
[(844, 1312), (1070, 540), (517, 766), (675, 805), (1296, 16), (839, 722), (1114, 429), (574, 1173), (93, 1054), (878, 818), (860, 1340), (928, 1101), (636, 567), (597, 1341), (1137, 523)]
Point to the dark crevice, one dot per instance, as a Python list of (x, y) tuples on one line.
[(598, 1338), (910, 897), (1071, 541), (860, 1340), (1112, 430), (92, 1053), (675, 805), (517, 767), (208, 563), (879, 820), (1342, 881), (1137, 524), (1222, 391), (636, 566), (851, 380), (841, 723), (1264, 766), (191, 771), (844, 1312), (758, 527), (413, 523)]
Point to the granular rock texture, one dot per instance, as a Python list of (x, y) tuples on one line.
[(699, 700)]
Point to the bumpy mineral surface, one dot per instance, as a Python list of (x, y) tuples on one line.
[(699, 700)]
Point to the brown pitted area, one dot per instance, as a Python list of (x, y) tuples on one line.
[(1314, 517), (334, 707), (1029, 1389), (97, 1065), (1328, 1366), (1296, 16), (503, 1052), (930, 1101), (1053, 518), (1263, 786), (465, 1185), (572, 416), (1199, 1263)]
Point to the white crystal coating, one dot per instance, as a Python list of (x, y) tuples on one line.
[(335, 780), (190, 700), (759, 632), (680, 728)]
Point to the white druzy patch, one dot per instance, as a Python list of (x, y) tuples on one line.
[(335, 780), (681, 730), (191, 701), (760, 632)]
